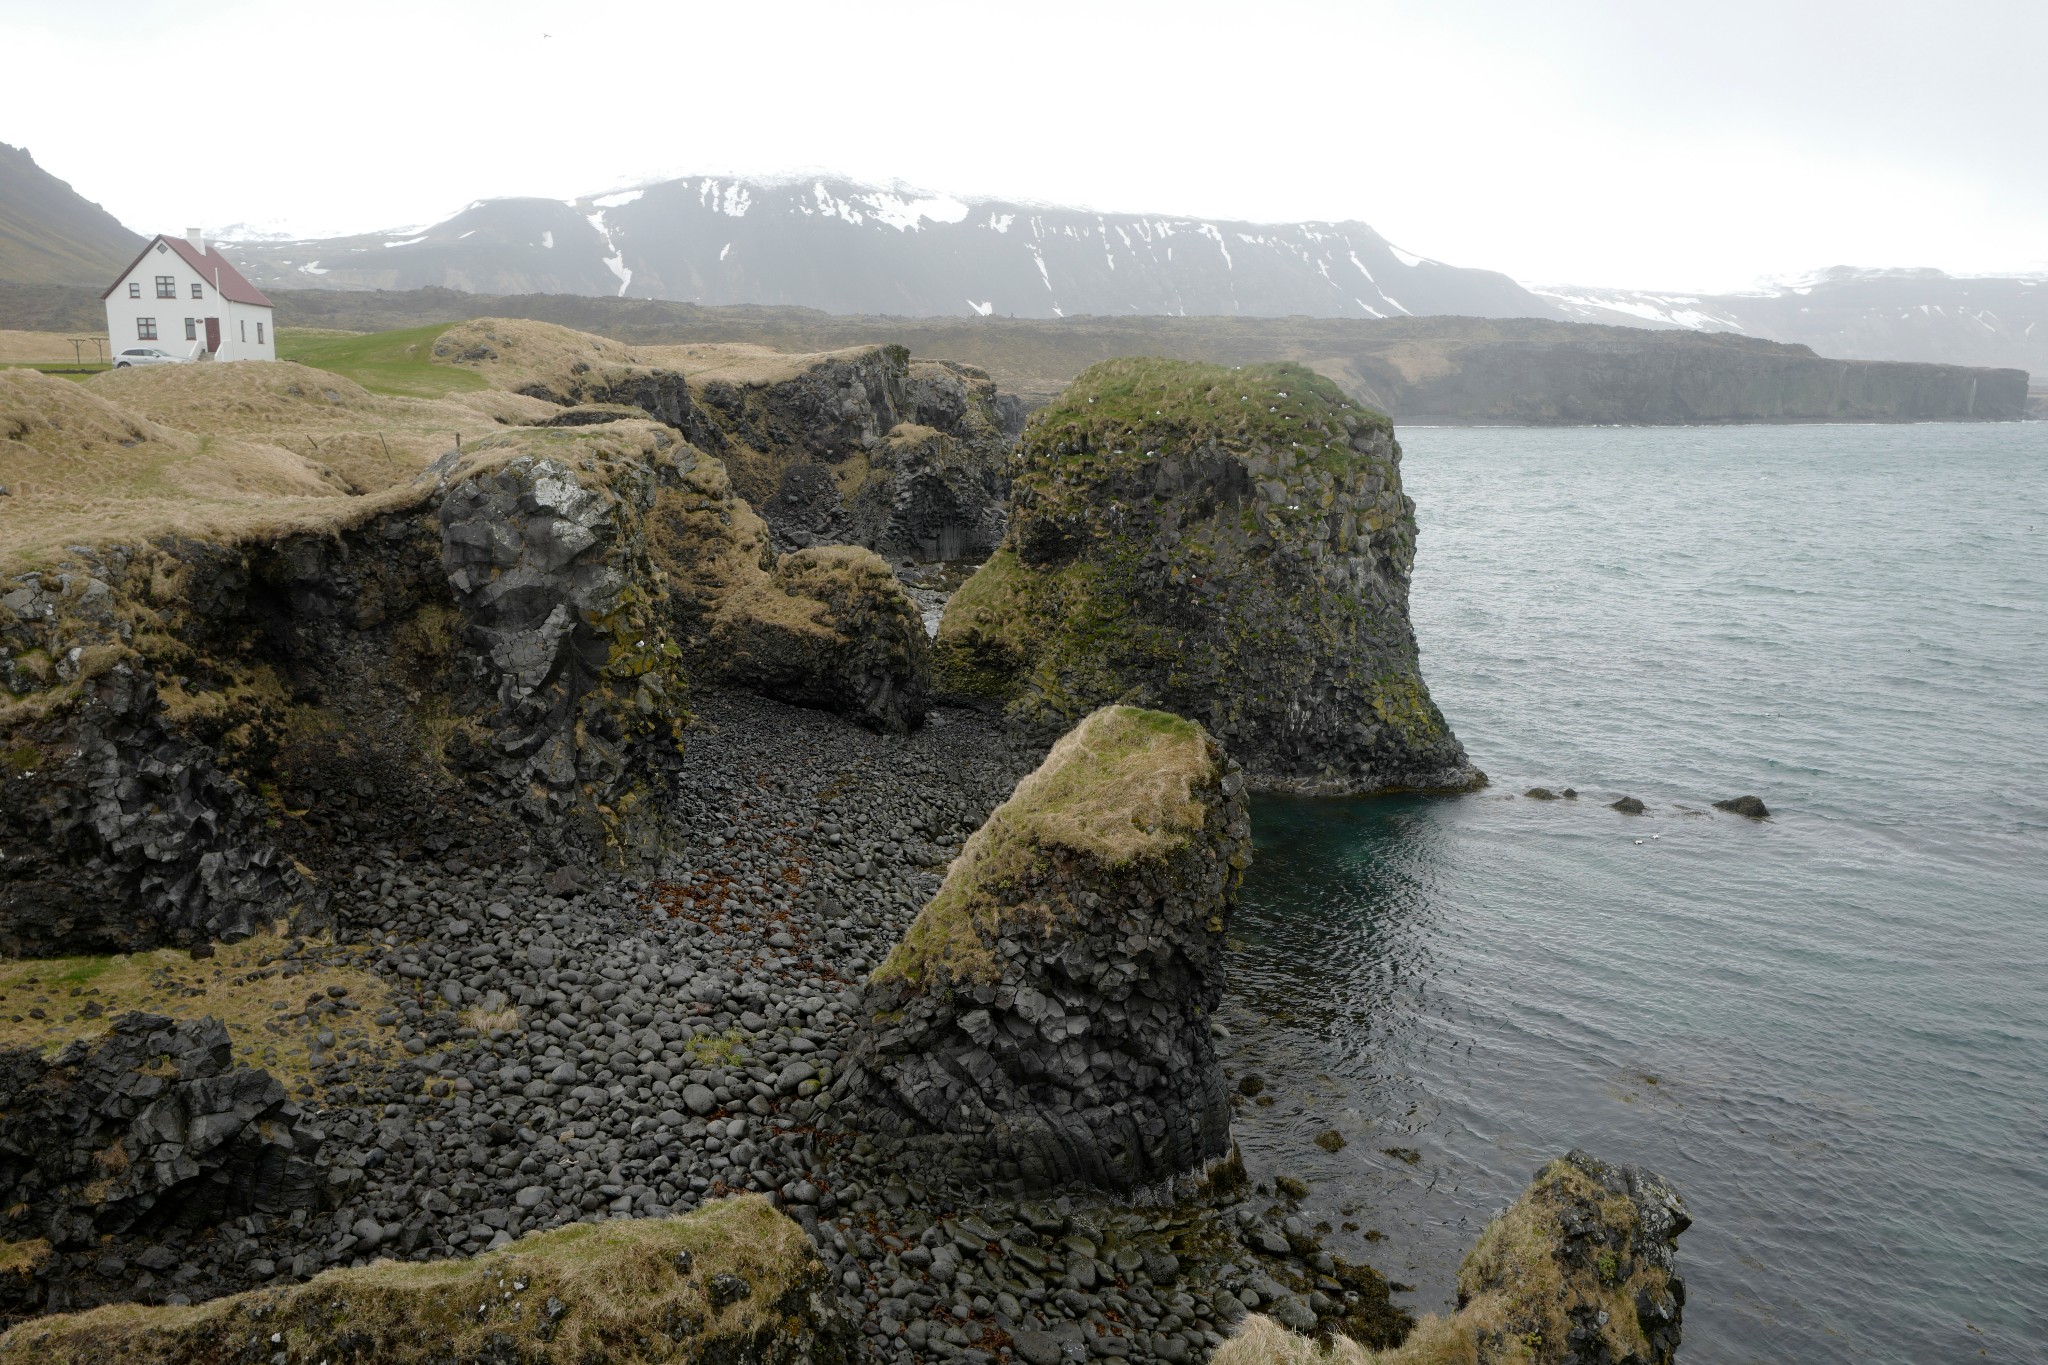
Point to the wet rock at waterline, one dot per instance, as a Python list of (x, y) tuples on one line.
[(1751, 807), (1581, 1270), (1045, 1019)]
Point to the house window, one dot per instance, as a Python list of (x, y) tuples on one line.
[(145, 329), (135, 289), (245, 329), (191, 329), (198, 291), (166, 287), (259, 334)]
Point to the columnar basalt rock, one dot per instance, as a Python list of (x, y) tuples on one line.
[(558, 597), (1230, 545), (1581, 1270), (1045, 1021), (150, 1126), (869, 447), (124, 836)]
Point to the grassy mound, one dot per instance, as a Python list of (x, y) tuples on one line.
[(1116, 789), (734, 1281), (400, 363), (1143, 403), (80, 468), (46, 1003)]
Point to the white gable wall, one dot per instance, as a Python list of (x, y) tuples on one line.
[(237, 320)]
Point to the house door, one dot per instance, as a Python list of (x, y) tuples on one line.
[(213, 335)]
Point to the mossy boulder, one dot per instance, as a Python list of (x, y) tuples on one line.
[(829, 627), (1581, 1270), (1046, 1018), (735, 1281), (1227, 544)]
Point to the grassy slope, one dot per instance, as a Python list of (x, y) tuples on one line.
[(399, 363), (47, 1002)]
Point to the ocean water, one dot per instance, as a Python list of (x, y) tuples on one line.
[(1830, 1029)]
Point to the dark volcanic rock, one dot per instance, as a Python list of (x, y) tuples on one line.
[(1046, 1017), (116, 835), (1751, 806), (150, 1127), (734, 1282), (869, 447), (1229, 545), (1628, 805)]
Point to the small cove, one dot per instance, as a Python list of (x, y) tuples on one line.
[(1829, 1028)]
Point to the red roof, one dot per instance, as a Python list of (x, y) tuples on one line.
[(211, 265)]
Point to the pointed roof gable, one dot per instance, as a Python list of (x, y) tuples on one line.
[(211, 265)]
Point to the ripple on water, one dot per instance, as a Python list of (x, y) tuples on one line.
[(1831, 1029)]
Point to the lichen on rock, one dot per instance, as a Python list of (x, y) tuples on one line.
[(1581, 1270), (1046, 1017), (1229, 544)]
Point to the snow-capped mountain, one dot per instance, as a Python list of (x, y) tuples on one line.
[(845, 247), (1857, 314)]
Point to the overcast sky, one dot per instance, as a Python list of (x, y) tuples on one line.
[(1691, 144)]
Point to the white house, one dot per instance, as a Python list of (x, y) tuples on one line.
[(182, 296)]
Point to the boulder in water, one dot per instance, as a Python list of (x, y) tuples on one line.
[(1628, 805), (1750, 806)]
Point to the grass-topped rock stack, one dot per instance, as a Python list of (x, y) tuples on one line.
[(1581, 1270), (735, 1281), (1045, 1021), (1227, 544)]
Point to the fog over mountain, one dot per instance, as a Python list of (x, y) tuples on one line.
[(845, 247)]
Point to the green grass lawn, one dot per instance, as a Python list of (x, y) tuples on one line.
[(399, 363)]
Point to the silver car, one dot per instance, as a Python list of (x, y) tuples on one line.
[(148, 355)]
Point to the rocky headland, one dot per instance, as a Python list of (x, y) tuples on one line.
[(578, 920)]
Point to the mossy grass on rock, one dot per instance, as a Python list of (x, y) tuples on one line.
[(1046, 1018), (830, 627), (1581, 1270), (1227, 544), (736, 1281)]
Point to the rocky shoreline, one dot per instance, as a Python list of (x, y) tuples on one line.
[(675, 1036), (540, 849)]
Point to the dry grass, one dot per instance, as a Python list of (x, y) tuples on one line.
[(81, 469), (21, 348), (509, 352), (1117, 788), (621, 1292), (740, 362), (242, 985)]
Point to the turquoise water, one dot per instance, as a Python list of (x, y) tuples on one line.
[(1829, 1029)]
